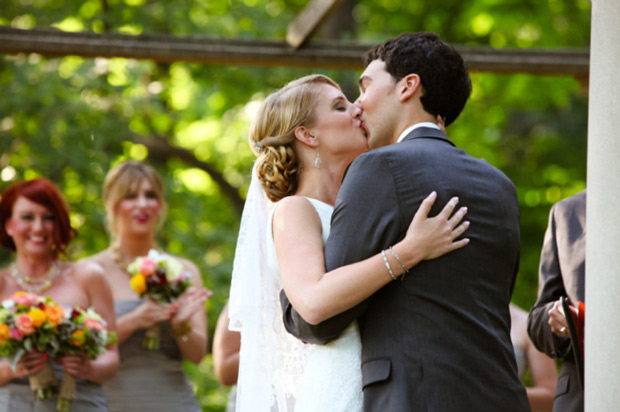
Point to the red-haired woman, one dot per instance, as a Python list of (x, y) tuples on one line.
[(34, 223)]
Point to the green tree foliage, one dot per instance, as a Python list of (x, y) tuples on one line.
[(70, 119)]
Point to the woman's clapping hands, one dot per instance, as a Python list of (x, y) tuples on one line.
[(150, 313), (190, 302)]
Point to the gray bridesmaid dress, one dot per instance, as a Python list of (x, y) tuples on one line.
[(149, 380), (16, 395)]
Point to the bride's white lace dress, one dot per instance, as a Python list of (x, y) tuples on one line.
[(277, 372), (331, 379)]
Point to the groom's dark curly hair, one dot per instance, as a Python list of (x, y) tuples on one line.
[(443, 72)]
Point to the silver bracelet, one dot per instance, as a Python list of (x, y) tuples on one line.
[(398, 260), (387, 264)]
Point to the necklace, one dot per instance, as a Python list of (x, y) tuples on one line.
[(116, 256), (34, 285)]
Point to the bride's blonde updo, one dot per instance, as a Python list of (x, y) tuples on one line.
[(272, 133)]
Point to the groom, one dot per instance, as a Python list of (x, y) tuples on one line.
[(439, 340)]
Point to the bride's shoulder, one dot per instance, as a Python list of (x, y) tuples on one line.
[(295, 213), (294, 203), (295, 206)]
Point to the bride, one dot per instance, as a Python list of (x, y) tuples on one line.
[(305, 135)]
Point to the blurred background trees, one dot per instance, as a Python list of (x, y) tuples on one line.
[(71, 118)]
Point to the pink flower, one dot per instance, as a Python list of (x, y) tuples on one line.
[(91, 323), (24, 324), (148, 267), (15, 334), (26, 299)]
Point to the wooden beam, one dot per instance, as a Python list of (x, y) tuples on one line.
[(309, 19), (251, 52)]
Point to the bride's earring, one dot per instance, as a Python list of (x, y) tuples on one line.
[(317, 159)]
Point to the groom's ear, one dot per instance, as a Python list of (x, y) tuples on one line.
[(305, 135), (408, 86)]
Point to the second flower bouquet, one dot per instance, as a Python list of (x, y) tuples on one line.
[(82, 331), (161, 278)]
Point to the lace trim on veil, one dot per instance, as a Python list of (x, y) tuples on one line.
[(271, 361)]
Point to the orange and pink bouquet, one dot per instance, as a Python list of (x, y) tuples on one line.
[(29, 322)]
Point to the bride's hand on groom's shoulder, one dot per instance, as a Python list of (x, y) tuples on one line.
[(431, 237)]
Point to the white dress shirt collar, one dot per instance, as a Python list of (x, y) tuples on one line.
[(415, 126)]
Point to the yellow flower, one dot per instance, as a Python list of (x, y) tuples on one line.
[(38, 317), (54, 314), (138, 283), (78, 337), (4, 333)]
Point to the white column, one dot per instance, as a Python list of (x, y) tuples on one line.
[(602, 334)]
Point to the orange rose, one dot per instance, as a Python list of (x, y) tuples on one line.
[(54, 314), (138, 283), (4, 332), (38, 317), (78, 337)]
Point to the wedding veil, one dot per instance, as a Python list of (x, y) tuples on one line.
[(270, 360)]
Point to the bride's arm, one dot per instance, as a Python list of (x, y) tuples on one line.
[(317, 295)]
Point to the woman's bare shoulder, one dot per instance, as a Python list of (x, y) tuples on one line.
[(293, 209), (189, 266), (87, 270), (294, 202), (101, 258)]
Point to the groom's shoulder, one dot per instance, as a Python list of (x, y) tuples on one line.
[(390, 155), (370, 162), (369, 157), (379, 154), (383, 159), (367, 166)]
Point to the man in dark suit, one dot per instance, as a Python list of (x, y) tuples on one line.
[(439, 340), (562, 273)]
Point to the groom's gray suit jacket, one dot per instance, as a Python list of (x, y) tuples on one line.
[(439, 340)]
